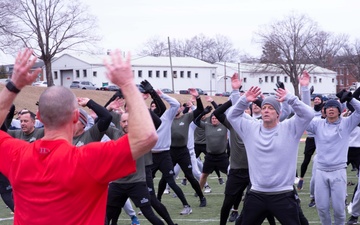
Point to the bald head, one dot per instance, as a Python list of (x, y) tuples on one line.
[(56, 106)]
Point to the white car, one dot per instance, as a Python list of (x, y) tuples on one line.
[(40, 83)]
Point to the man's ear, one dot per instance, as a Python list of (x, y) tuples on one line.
[(75, 116)]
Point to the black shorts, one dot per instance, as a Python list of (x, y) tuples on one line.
[(5, 186), (237, 181), (162, 161), (199, 148), (119, 193), (212, 162)]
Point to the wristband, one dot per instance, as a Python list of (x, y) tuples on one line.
[(11, 87)]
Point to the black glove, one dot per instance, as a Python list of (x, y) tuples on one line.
[(339, 94), (207, 109), (346, 97), (280, 84), (312, 90), (148, 88)]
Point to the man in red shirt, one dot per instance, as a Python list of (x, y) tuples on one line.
[(53, 181)]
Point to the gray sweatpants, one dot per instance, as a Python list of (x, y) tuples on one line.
[(312, 180), (331, 185), (356, 201)]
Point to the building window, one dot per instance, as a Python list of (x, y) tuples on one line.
[(140, 73), (285, 79), (213, 75), (320, 80), (278, 78), (157, 73), (55, 75), (196, 75), (94, 73), (181, 74), (266, 79), (165, 74), (188, 74), (260, 80), (150, 73), (272, 79), (315, 80), (84, 73), (341, 82), (77, 74), (332, 80), (175, 74), (244, 79)]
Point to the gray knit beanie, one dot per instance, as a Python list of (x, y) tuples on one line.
[(271, 100)]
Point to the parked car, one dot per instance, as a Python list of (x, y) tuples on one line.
[(167, 91), (86, 85), (4, 81), (110, 88), (40, 84), (224, 94), (199, 90)]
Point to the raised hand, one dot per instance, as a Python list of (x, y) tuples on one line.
[(119, 71), (236, 83), (193, 92), (21, 75), (281, 94), (207, 109), (208, 98), (304, 79), (83, 101), (252, 94), (148, 88)]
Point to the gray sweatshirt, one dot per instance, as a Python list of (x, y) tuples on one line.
[(272, 153), (164, 131), (332, 139)]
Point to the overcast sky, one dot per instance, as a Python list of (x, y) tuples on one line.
[(128, 24)]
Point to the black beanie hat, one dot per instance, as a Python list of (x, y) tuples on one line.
[(333, 103)]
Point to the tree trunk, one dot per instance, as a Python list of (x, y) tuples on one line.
[(49, 78)]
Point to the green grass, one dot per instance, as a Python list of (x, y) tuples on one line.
[(210, 215)]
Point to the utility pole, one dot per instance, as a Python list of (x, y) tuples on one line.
[(171, 67)]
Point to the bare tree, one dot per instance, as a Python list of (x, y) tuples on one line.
[(49, 27), (351, 58), (285, 45), (201, 47)]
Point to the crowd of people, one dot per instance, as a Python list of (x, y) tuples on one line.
[(105, 156)]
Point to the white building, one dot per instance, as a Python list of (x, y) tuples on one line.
[(187, 72), (323, 80)]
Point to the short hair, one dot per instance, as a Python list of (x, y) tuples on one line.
[(56, 105), (25, 111)]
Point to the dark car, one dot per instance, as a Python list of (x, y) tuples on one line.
[(184, 92), (224, 94), (167, 91), (110, 88)]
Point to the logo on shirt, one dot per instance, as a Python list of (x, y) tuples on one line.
[(219, 129), (32, 139), (144, 200), (181, 124), (44, 151), (171, 172)]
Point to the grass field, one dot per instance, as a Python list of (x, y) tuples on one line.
[(209, 215)]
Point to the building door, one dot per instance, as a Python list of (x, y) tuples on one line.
[(66, 77)]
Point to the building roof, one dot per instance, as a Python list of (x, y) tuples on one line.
[(258, 67), (147, 61)]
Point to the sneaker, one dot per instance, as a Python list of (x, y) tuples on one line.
[(207, 189), (312, 203), (134, 220), (221, 181), (352, 220), (202, 202), (300, 184), (183, 182), (167, 191), (139, 213), (186, 210), (233, 216)]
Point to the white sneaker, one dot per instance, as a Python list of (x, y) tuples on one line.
[(207, 189), (186, 210), (167, 191)]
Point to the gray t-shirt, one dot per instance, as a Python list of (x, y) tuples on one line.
[(35, 135)]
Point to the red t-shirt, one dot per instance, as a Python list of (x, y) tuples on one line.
[(57, 183)]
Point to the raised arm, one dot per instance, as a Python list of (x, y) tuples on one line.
[(20, 78), (141, 131), (199, 105), (160, 106), (103, 116)]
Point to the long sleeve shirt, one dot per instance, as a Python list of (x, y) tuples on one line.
[(332, 139), (272, 153)]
